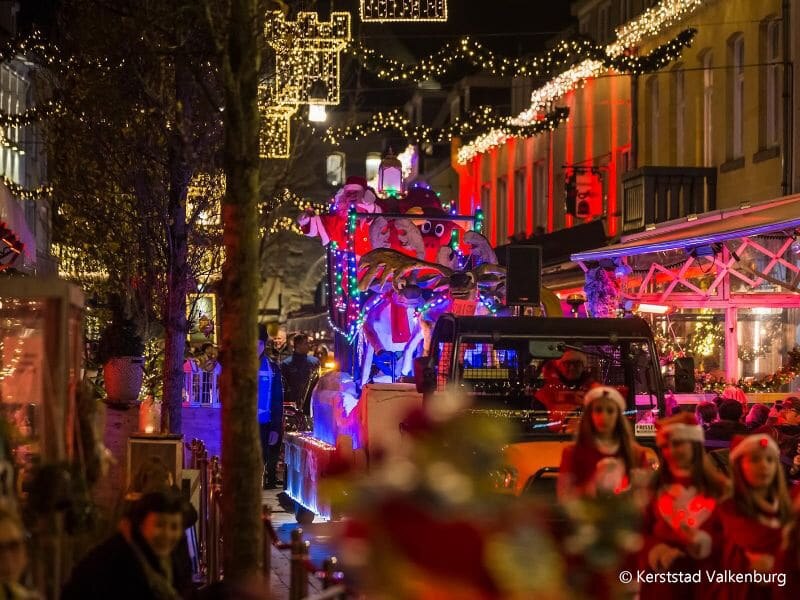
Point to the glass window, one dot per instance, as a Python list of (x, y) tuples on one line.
[(772, 83), (335, 169), (708, 108), (680, 110), (520, 201), (736, 50), (540, 193)]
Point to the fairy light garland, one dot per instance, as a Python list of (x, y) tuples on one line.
[(385, 11), (481, 119), (651, 22)]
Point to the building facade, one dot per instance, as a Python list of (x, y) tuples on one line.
[(667, 155)]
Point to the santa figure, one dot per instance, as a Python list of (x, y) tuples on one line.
[(332, 227)]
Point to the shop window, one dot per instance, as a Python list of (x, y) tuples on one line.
[(765, 336)]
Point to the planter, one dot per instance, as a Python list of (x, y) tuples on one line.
[(123, 379)]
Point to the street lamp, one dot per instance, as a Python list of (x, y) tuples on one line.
[(317, 98), (390, 175)]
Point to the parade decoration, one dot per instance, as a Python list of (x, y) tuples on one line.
[(602, 293), (409, 11), (307, 57), (398, 260)]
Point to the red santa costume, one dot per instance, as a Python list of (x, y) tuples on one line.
[(681, 526), (589, 465), (332, 227), (754, 543)]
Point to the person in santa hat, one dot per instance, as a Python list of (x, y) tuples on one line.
[(332, 227), (681, 526), (605, 457), (755, 520)]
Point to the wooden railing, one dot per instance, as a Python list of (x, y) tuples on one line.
[(656, 194)]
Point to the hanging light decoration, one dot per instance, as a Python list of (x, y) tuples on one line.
[(274, 139), (307, 57), (381, 11), (390, 175)]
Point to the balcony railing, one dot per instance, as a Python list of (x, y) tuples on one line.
[(657, 194), (200, 387)]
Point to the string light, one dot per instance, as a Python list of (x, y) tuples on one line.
[(307, 57), (650, 23), (481, 119), (497, 137), (274, 136), (383, 11), (32, 115), (42, 192)]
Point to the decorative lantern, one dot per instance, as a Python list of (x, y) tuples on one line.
[(390, 175)]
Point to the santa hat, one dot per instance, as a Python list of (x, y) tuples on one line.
[(354, 182), (680, 427), (604, 391), (743, 444)]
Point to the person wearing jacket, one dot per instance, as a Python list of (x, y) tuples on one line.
[(136, 562), (270, 410)]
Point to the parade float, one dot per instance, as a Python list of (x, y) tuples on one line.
[(397, 259)]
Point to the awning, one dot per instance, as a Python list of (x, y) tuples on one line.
[(782, 214), (558, 245), (12, 214)]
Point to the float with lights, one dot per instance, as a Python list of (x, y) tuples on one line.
[(398, 258)]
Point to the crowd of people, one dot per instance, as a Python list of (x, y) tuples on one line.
[(710, 529)]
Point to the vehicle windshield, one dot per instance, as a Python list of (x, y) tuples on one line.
[(543, 381)]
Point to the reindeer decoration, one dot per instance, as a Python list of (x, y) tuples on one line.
[(404, 281)]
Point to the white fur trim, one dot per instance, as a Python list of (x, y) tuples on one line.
[(601, 391), (751, 442), (681, 431)]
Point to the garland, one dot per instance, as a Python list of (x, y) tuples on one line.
[(479, 121), (473, 53), (769, 383)]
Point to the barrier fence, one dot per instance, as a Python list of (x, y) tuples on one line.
[(209, 535)]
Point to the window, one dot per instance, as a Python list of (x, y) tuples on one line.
[(680, 110), (520, 201), (708, 108), (771, 93), (334, 167), (625, 10), (486, 196), (652, 101), (540, 194), (455, 109), (372, 168), (502, 210), (603, 23), (736, 91), (520, 94), (584, 27)]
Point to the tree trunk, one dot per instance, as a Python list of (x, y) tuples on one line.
[(241, 453), (177, 251)]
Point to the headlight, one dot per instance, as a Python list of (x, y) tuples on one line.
[(504, 478)]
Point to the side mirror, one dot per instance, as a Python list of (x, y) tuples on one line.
[(424, 375)]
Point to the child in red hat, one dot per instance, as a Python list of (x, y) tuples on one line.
[(604, 457), (681, 526), (755, 521)]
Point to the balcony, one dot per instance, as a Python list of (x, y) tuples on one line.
[(658, 194)]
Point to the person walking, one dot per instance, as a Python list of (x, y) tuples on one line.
[(270, 410), (301, 372)]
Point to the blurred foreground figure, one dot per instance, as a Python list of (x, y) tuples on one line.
[(13, 559), (136, 562)]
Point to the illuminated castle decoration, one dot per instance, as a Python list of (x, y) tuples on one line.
[(379, 11), (307, 57), (274, 136)]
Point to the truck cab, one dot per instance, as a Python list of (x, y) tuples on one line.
[(533, 372)]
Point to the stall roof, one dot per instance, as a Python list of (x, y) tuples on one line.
[(715, 226)]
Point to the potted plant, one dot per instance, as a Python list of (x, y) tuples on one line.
[(120, 351)]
